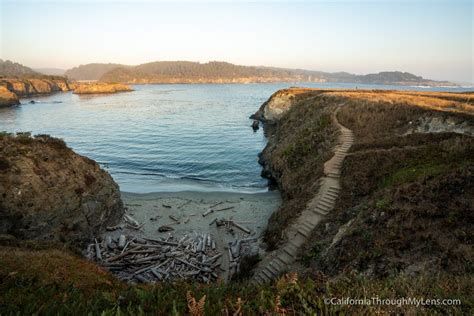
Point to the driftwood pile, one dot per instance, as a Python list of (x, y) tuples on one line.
[(137, 259), (236, 250)]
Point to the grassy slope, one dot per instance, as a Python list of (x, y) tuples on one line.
[(295, 157), (38, 279), (413, 211)]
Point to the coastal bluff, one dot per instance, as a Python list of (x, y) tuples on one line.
[(50, 193), (278, 104), (34, 86), (101, 88), (8, 98)]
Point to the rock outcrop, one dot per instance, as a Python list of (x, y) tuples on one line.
[(99, 88), (48, 192), (8, 98), (278, 104), (34, 86)]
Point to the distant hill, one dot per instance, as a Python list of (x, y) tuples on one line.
[(12, 69), (51, 71), (90, 71), (223, 72)]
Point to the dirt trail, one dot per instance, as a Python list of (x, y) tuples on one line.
[(280, 260)]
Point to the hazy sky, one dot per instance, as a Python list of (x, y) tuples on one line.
[(429, 38)]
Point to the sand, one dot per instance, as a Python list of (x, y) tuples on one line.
[(249, 210)]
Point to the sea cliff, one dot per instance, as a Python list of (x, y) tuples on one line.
[(50, 193), (101, 88), (8, 98), (34, 86)]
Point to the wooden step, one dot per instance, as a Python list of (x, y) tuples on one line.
[(272, 269), (306, 230), (331, 193), (281, 261), (289, 252), (286, 258), (276, 265), (258, 279), (268, 274), (264, 277), (329, 199), (302, 232), (309, 225), (319, 211)]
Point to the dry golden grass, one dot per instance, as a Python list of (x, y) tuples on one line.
[(436, 101), (444, 101)]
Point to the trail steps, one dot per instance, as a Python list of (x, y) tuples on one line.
[(280, 261)]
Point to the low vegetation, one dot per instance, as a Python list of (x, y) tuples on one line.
[(50, 280), (294, 159)]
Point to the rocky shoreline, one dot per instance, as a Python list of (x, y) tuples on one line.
[(13, 89), (101, 88), (8, 98)]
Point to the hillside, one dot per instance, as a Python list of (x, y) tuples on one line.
[(223, 72), (50, 71), (90, 71), (12, 69)]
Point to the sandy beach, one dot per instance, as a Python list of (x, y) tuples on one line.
[(183, 213)]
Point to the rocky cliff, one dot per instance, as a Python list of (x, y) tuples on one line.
[(34, 86), (279, 103), (48, 192), (98, 88), (8, 98)]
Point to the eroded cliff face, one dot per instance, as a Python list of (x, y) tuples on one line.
[(8, 98), (31, 87), (279, 103), (48, 192), (97, 88)]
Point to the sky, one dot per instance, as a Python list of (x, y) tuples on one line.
[(433, 39)]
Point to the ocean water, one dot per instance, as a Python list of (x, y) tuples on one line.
[(163, 138)]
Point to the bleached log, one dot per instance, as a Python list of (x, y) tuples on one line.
[(131, 220), (98, 255), (218, 203), (112, 228), (240, 227), (174, 218), (121, 242), (142, 278), (209, 211), (165, 228), (225, 208), (213, 221)]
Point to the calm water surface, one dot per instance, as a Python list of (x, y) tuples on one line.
[(162, 137)]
